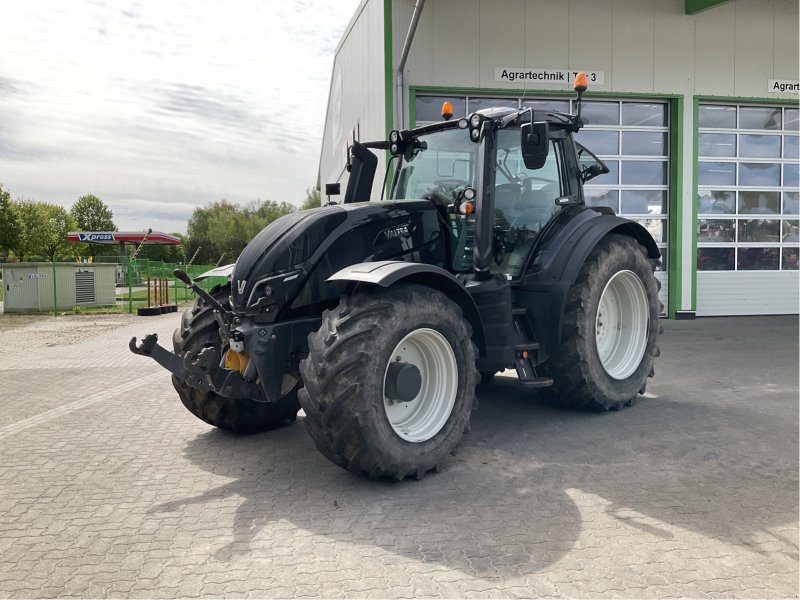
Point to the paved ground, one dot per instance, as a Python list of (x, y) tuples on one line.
[(108, 487)]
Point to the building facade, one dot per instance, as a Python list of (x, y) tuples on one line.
[(693, 105)]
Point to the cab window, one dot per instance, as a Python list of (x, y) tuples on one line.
[(524, 202)]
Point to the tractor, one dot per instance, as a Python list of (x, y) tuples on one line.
[(379, 318)]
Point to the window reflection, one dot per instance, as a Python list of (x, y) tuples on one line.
[(759, 230), (791, 175), (757, 259), (641, 114), (758, 203), (716, 173), (717, 230), (760, 146), (656, 227), (757, 117), (648, 143), (791, 231), (790, 146), (791, 203), (476, 104), (548, 105), (791, 116), (644, 202), (600, 113), (594, 197), (600, 142), (716, 144), (789, 259), (641, 172), (715, 259), (759, 174), (716, 202), (717, 117)]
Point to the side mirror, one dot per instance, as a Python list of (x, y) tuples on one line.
[(333, 189), (535, 144)]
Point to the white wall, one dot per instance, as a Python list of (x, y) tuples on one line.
[(357, 98), (747, 293), (643, 46)]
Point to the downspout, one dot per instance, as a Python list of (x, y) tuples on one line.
[(400, 112)]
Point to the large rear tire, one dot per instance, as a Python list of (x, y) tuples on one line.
[(610, 330), (390, 381), (199, 329)]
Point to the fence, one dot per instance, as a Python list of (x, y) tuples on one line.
[(137, 283)]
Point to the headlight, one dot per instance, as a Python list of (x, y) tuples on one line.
[(474, 135), (475, 120)]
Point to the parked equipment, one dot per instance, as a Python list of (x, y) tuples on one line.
[(379, 318)]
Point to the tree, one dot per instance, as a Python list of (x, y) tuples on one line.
[(223, 229), (57, 223), (92, 214), (9, 222), (312, 199), (31, 220)]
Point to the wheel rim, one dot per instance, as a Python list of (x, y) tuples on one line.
[(622, 324), (423, 417)]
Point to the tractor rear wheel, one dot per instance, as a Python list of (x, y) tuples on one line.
[(610, 329), (199, 329), (390, 381)]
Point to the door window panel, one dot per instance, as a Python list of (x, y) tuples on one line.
[(755, 187), (716, 173), (789, 259), (600, 113), (609, 198), (644, 114), (716, 144), (644, 172), (716, 202), (760, 146), (757, 259), (601, 142), (717, 117), (644, 202), (756, 117), (716, 230), (644, 143), (716, 259)]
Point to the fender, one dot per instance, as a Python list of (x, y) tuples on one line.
[(545, 287), (389, 272)]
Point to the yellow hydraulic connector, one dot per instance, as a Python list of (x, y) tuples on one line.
[(236, 361)]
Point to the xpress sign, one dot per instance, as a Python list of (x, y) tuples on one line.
[(89, 236)]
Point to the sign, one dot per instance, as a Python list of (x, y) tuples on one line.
[(556, 76), (778, 86), (95, 237), (37, 276)]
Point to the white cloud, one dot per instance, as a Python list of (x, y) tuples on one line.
[(159, 107)]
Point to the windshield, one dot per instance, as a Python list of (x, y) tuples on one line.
[(442, 162)]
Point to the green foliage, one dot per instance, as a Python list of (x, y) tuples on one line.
[(222, 229), (44, 229), (92, 214), (57, 223), (312, 199), (10, 227), (164, 252)]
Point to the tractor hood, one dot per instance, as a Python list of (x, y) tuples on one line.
[(278, 250), (295, 254)]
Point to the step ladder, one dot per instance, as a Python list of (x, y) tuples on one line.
[(525, 351)]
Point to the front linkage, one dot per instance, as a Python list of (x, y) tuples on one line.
[(268, 346)]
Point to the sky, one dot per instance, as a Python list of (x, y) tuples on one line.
[(159, 107)]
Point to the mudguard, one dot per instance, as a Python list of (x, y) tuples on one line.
[(546, 283), (390, 272)]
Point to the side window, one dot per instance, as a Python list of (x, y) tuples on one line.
[(524, 202)]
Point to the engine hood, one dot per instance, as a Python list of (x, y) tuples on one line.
[(284, 244)]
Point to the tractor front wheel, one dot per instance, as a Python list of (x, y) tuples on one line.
[(610, 330), (389, 381)]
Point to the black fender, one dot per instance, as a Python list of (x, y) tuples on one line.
[(389, 272), (555, 268)]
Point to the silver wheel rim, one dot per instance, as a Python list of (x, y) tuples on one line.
[(423, 417), (621, 325)]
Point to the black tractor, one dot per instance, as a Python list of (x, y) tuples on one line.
[(379, 318)]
